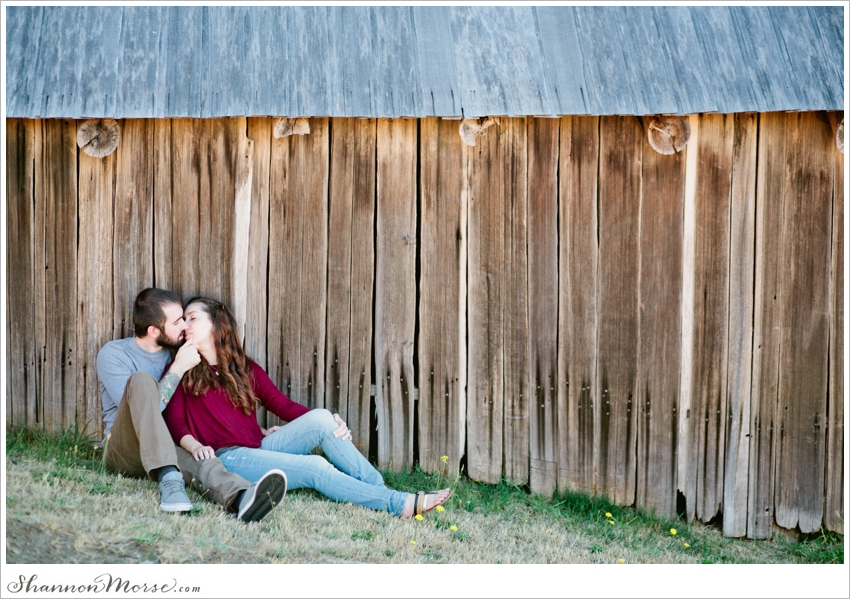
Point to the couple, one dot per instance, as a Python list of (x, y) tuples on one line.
[(193, 419)]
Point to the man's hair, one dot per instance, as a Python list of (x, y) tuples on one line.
[(149, 309)]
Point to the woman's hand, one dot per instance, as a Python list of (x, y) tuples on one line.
[(204, 452), (342, 432), (268, 432)]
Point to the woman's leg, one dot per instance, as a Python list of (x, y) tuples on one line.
[(314, 472), (316, 427)]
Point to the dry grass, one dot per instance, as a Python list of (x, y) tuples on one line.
[(62, 511)]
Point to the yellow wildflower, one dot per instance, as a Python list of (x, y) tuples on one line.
[(622, 561), (611, 522), (452, 528), (687, 545), (440, 508), (547, 530), (608, 515), (413, 542), (673, 531), (444, 459), (418, 517)]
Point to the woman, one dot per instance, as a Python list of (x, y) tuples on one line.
[(213, 413)]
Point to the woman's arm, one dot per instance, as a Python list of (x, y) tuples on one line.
[(272, 398), (198, 450)]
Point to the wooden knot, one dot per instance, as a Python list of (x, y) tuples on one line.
[(286, 127), (839, 137), (99, 137), (668, 134), (472, 128)]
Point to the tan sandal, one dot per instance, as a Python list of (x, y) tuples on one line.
[(420, 501)]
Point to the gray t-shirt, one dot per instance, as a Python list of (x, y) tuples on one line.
[(116, 361)]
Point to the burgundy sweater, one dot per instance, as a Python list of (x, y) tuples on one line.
[(213, 420)]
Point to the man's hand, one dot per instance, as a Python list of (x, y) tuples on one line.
[(268, 432), (187, 357), (342, 432)]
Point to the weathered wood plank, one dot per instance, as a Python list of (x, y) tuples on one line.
[(260, 132), (242, 154), (485, 403), (804, 340), (56, 205), (488, 398), (770, 192), (739, 382), (298, 192), (442, 298), (833, 517), (350, 274), (513, 155), (215, 209), (21, 267), (95, 270), (162, 204), (362, 284), (340, 194), (188, 152), (543, 135), (577, 299), (616, 397), (132, 253), (395, 289), (660, 353), (707, 418)]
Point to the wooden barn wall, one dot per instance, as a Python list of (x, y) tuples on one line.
[(558, 305)]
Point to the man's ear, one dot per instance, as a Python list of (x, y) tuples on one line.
[(153, 332)]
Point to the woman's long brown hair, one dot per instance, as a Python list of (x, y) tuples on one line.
[(234, 367)]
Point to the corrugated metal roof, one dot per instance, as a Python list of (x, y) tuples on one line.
[(390, 61)]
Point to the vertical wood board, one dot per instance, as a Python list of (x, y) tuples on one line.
[(21, 266), (833, 517), (95, 310), (543, 141), (395, 291), (661, 240), (362, 283), (163, 270), (741, 282), (804, 341), (615, 400), (442, 302), (577, 299), (513, 155), (132, 254), (770, 192), (56, 203), (709, 333)]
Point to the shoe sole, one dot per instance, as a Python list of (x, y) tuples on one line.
[(270, 492), (175, 507)]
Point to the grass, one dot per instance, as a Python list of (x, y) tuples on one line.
[(62, 507)]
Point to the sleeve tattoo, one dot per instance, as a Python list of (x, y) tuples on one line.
[(167, 386)]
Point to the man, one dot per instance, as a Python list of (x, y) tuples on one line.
[(134, 392)]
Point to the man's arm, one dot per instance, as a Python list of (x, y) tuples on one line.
[(186, 358)]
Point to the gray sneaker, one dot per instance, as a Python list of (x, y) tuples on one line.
[(172, 493), (261, 497)]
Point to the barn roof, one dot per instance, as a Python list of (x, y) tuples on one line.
[(392, 61)]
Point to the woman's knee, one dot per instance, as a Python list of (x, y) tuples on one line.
[(324, 419)]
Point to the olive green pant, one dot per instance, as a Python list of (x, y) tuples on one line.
[(139, 442)]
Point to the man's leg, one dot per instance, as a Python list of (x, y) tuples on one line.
[(211, 479), (139, 443), (139, 440)]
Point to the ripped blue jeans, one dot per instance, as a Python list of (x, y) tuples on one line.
[(347, 477)]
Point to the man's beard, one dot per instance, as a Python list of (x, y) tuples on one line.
[(172, 344)]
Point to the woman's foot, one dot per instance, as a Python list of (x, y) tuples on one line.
[(427, 502)]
